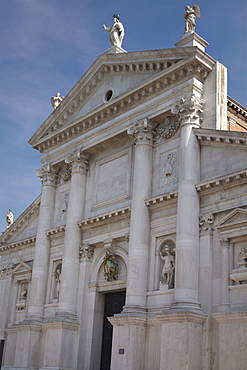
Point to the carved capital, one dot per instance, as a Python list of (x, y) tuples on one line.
[(189, 110), (79, 161), (86, 252), (142, 131), (225, 242), (47, 174), (206, 222)]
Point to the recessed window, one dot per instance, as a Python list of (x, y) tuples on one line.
[(108, 95)]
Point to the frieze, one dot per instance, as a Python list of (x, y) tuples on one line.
[(6, 269), (168, 129)]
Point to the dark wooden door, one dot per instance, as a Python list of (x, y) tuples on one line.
[(1, 351), (114, 303)]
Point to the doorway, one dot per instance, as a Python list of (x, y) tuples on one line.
[(114, 303)]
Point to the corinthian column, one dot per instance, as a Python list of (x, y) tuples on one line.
[(41, 253), (70, 264), (189, 112), (142, 132)]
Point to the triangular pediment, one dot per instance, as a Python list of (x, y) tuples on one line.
[(234, 223), (24, 227), (22, 268), (129, 77)]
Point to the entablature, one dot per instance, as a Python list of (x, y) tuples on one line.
[(166, 77)]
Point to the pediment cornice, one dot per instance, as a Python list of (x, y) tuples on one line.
[(28, 214), (170, 66)]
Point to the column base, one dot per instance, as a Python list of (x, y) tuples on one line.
[(186, 304), (134, 310), (65, 316)]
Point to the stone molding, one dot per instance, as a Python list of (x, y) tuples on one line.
[(177, 316), (143, 131), (105, 217), (172, 195), (230, 317), (142, 93), (56, 231), (20, 243), (223, 181), (189, 110), (79, 162), (217, 137), (123, 320)]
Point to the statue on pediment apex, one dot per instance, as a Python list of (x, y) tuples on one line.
[(116, 31), (9, 218), (56, 100), (190, 17)]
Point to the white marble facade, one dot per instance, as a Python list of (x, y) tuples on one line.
[(137, 163)]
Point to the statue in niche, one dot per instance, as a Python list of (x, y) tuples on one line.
[(64, 207), (23, 294), (57, 280), (169, 266), (242, 257), (116, 31), (169, 177), (56, 100), (9, 218), (110, 267), (190, 17)]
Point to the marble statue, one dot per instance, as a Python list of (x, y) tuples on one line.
[(110, 267), (242, 257), (58, 274), (168, 268), (116, 31), (190, 17), (56, 100), (23, 295), (9, 218)]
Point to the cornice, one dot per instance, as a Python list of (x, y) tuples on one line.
[(110, 216), (20, 243), (168, 74), (20, 221), (232, 179), (238, 108), (209, 136), (56, 231), (172, 195), (230, 317)]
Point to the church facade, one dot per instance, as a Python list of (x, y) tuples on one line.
[(134, 256)]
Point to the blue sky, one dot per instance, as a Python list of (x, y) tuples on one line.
[(47, 45)]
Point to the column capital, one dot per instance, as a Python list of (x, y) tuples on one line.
[(79, 161), (189, 110), (47, 174), (225, 242), (86, 252), (142, 131), (206, 223)]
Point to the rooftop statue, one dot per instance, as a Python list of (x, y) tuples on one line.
[(56, 100), (116, 31), (190, 17), (9, 218)]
